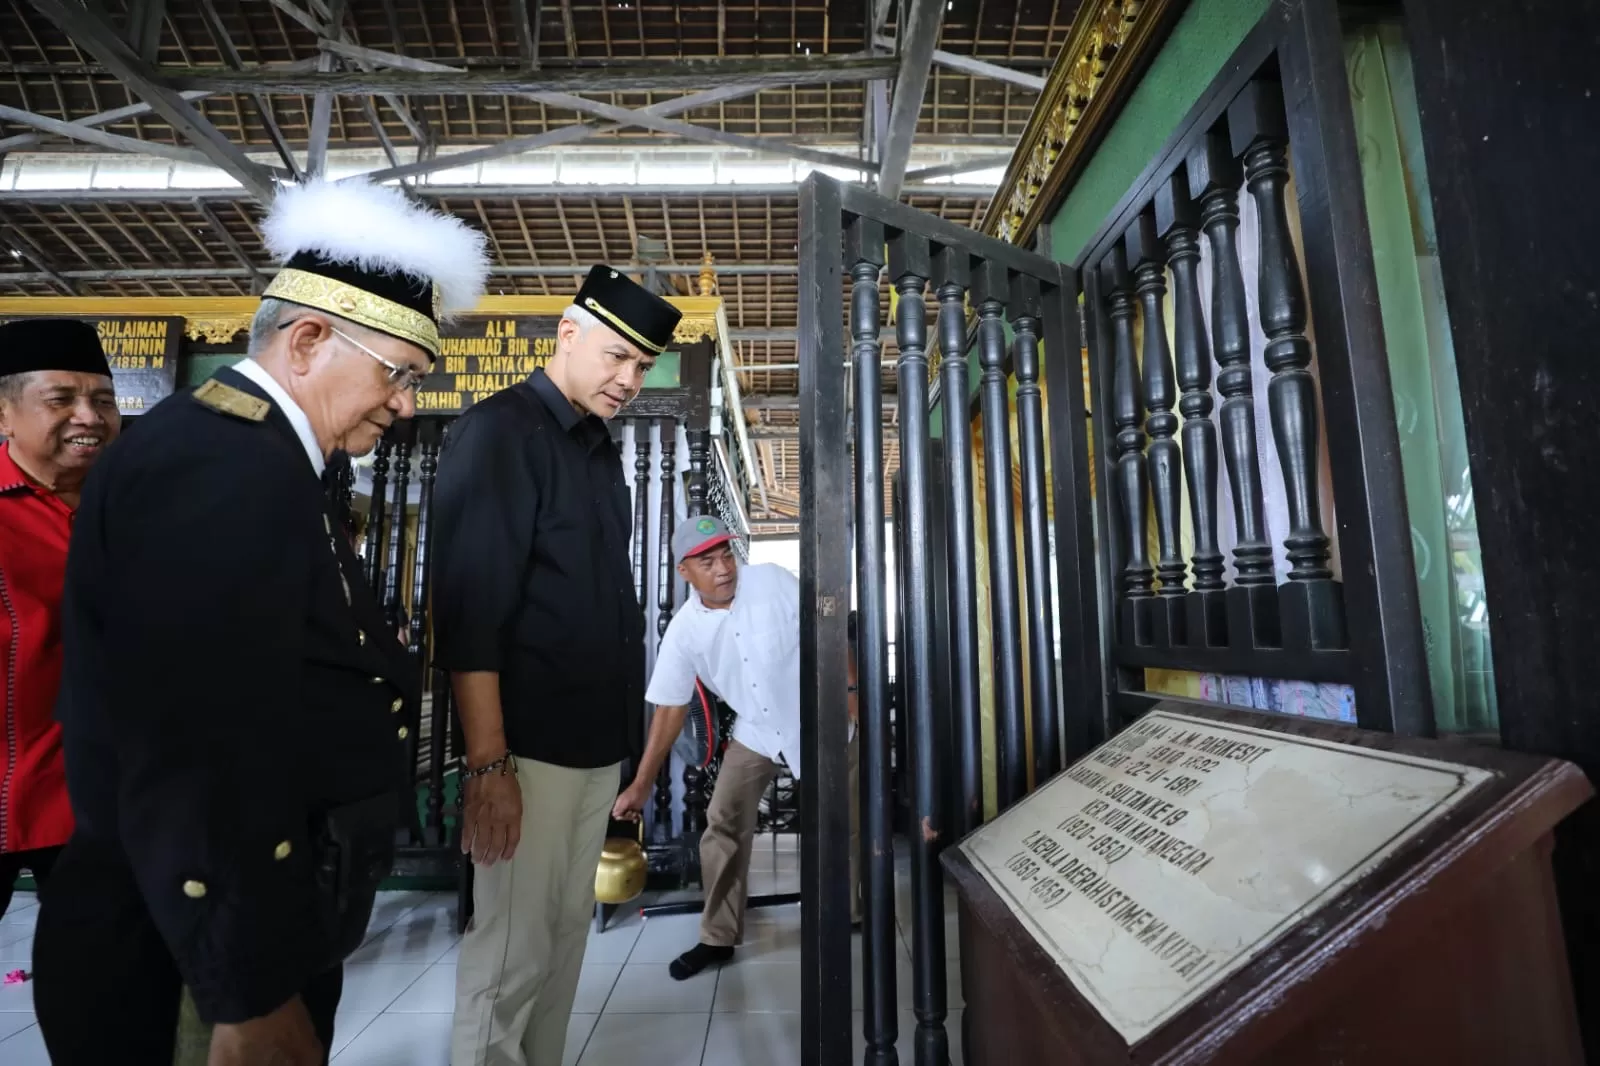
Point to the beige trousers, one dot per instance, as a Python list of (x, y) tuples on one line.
[(518, 971), (726, 846)]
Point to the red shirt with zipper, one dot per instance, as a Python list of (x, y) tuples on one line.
[(35, 527)]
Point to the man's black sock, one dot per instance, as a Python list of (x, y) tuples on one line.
[(696, 959)]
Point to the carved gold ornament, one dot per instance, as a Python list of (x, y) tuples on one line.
[(693, 327), (1098, 52), (216, 330)]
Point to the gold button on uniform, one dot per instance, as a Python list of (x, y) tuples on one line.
[(404, 732), (361, 635), (394, 708), (282, 851), (194, 889), (377, 680)]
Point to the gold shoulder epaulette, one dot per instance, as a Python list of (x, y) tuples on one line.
[(231, 401)]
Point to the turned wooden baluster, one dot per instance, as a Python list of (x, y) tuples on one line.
[(1164, 458), (392, 582), (1027, 311), (991, 291), (661, 828), (1313, 605), (699, 462), (377, 511), (641, 505), (1136, 620), (1177, 220), (1252, 602)]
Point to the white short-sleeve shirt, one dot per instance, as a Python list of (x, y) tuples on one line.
[(748, 654)]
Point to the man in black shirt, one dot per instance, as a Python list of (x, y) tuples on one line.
[(536, 618)]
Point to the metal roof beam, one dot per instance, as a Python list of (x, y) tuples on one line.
[(787, 190), (644, 117), (920, 34), (257, 275), (249, 269), (527, 23), (101, 139), (631, 76), (564, 135), (950, 170), (105, 118), (978, 68), (92, 35), (23, 244), (230, 52)]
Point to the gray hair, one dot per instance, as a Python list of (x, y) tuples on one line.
[(583, 318), (264, 325), (12, 386)]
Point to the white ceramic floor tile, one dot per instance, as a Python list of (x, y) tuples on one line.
[(24, 910), (758, 987), (616, 943), (390, 907), (347, 1025), (25, 1048), (398, 1040), (665, 938), (372, 987), (579, 1026), (16, 953), (14, 1022), (747, 1039), (419, 937), (595, 982), (657, 1039), (647, 988), (17, 998), (432, 993)]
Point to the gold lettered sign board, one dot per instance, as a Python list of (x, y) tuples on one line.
[(143, 353), (479, 355), (1168, 858)]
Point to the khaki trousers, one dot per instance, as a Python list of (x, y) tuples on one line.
[(726, 846), (518, 971)]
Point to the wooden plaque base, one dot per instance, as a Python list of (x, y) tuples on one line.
[(1448, 952)]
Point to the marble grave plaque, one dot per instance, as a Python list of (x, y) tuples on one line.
[(1169, 857)]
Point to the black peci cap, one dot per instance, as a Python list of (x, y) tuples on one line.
[(67, 344), (624, 305)]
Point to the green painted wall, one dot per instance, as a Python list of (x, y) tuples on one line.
[(1206, 35)]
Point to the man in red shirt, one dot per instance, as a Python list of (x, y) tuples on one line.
[(58, 412)]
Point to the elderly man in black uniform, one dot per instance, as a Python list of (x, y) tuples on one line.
[(229, 707), (536, 617)]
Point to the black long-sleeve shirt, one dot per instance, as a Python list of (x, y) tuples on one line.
[(532, 578)]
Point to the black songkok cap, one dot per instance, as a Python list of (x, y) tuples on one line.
[(629, 308), (67, 344)]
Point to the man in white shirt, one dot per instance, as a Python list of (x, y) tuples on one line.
[(739, 635)]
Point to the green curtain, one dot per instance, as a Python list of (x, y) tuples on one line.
[(1416, 325)]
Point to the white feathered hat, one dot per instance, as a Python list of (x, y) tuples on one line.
[(366, 253)]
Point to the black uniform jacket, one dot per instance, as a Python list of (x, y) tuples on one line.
[(532, 578), (228, 681)]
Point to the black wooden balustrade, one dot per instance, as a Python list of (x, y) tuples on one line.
[(866, 253), (661, 829), (845, 232), (1179, 232)]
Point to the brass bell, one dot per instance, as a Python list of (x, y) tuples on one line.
[(621, 874)]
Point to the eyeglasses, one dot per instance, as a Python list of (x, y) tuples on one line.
[(402, 377)]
